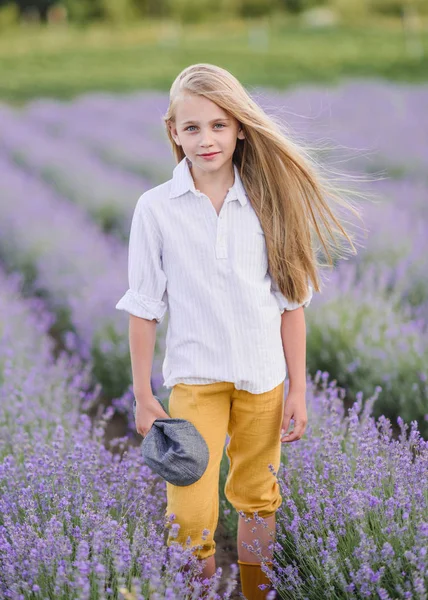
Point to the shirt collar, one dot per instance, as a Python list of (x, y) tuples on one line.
[(182, 182)]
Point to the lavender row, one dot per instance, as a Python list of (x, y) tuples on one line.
[(397, 246), (362, 124), (37, 394), (66, 257), (76, 521), (353, 523), (107, 194), (133, 138), (370, 325), (369, 124), (360, 334)]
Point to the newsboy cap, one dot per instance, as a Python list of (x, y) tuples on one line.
[(174, 449)]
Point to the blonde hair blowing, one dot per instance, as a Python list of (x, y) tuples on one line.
[(283, 183)]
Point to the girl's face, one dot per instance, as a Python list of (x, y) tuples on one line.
[(203, 127)]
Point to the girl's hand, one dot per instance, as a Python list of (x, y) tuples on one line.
[(146, 413), (295, 408)]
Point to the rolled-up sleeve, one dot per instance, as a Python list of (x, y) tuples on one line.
[(147, 293), (285, 304)]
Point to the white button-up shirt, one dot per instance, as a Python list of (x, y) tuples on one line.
[(211, 273)]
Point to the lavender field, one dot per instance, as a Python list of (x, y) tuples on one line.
[(81, 516)]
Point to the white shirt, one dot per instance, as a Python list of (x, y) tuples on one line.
[(211, 273)]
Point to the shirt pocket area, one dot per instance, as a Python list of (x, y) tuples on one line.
[(250, 253)]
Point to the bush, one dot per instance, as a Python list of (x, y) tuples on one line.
[(192, 11), (119, 11), (297, 6), (396, 7), (9, 15), (82, 11), (354, 520), (258, 8), (357, 333)]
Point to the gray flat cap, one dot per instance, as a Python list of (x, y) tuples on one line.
[(175, 450)]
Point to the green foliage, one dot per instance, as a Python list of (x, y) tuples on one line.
[(396, 7), (365, 341), (298, 6), (9, 15), (193, 11), (391, 7), (196, 11), (38, 62), (228, 514), (120, 11), (258, 8), (82, 11), (349, 10), (111, 362)]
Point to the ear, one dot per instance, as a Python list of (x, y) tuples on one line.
[(241, 134), (173, 131)]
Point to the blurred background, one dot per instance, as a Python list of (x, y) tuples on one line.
[(64, 48)]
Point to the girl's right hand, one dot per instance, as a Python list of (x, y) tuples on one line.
[(146, 413)]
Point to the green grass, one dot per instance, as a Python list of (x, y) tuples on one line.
[(63, 62)]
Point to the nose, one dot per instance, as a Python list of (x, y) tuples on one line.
[(205, 140)]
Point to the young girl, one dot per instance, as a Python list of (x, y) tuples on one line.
[(225, 245)]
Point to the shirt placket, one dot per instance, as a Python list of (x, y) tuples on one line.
[(221, 235)]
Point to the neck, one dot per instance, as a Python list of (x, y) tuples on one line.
[(213, 182)]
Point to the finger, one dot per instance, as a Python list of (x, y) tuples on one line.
[(285, 423), (290, 437), (295, 434), (286, 437)]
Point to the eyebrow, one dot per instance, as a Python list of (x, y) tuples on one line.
[(213, 120)]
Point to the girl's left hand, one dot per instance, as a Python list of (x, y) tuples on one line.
[(294, 408)]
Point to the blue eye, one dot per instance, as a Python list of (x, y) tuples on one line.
[(187, 128)]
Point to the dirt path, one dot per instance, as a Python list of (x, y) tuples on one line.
[(226, 554)]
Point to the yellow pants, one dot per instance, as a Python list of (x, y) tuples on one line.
[(253, 422)]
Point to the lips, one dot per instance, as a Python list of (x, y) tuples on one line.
[(209, 154)]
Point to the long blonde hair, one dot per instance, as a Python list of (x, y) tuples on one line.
[(284, 183)]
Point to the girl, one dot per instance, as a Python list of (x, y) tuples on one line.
[(225, 245)]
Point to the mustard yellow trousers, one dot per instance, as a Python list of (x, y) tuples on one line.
[(253, 423)]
